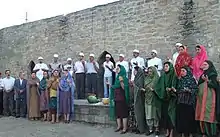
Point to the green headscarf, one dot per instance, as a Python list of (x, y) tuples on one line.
[(122, 74), (168, 80), (150, 81)]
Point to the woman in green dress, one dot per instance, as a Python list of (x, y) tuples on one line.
[(152, 111), (119, 100), (206, 100), (139, 100), (165, 90)]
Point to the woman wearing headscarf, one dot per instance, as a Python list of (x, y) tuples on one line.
[(52, 86), (65, 97), (119, 100), (207, 100), (152, 111), (33, 97), (165, 90), (201, 56), (186, 94), (44, 99), (183, 59), (139, 100)]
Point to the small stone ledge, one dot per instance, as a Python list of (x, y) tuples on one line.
[(92, 113)]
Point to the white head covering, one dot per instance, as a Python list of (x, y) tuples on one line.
[(69, 59), (81, 54), (135, 51), (55, 56), (121, 55), (108, 56), (91, 55), (154, 51), (40, 58), (178, 44)]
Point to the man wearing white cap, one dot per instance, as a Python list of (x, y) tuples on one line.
[(155, 61), (176, 54), (123, 63), (92, 68), (40, 67), (69, 66), (136, 61), (108, 68), (55, 65), (80, 69)]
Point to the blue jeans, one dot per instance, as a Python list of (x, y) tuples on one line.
[(107, 89)]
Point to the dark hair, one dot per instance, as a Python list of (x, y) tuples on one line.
[(198, 47), (167, 62), (182, 47), (7, 70)]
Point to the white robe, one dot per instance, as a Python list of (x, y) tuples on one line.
[(155, 62), (140, 62), (40, 66)]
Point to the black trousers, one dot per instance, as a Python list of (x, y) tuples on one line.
[(91, 83), (20, 107), (80, 85), (1, 102)]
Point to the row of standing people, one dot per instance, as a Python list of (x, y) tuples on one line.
[(183, 87), (53, 98)]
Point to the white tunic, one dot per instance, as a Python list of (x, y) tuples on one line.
[(40, 66), (175, 55), (107, 72), (155, 62), (140, 63), (124, 64)]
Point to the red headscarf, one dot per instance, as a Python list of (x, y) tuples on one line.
[(197, 62), (183, 60)]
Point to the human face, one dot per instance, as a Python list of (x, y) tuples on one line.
[(150, 72), (205, 66), (7, 73), (177, 48), (183, 72), (66, 73), (55, 73), (181, 49), (118, 69), (153, 54), (91, 58), (55, 59), (40, 60), (22, 75), (69, 62), (121, 58), (107, 58), (166, 67), (135, 54), (81, 57), (198, 50), (33, 75), (45, 74)]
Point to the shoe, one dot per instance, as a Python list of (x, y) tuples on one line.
[(157, 133), (17, 116), (148, 133), (117, 130), (123, 132), (137, 132)]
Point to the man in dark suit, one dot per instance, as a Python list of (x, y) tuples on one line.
[(20, 95)]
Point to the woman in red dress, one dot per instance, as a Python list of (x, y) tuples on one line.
[(183, 60)]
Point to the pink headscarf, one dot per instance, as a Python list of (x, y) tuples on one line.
[(197, 62)]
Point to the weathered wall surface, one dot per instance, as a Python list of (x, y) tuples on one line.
[(117, 27)]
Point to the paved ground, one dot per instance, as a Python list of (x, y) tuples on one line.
[(11, 127)]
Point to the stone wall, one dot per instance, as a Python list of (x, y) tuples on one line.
[(117, 27)]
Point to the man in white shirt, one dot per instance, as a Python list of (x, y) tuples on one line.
[(40, 67), (108, 68), (55, 65), (136, 61), (1, 94), (123, 63), (155, 61), (69, 66), (176, 54), (8, 94), (80, 70), (92, 68)]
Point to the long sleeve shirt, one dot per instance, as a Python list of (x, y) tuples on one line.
[(140, 63)]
